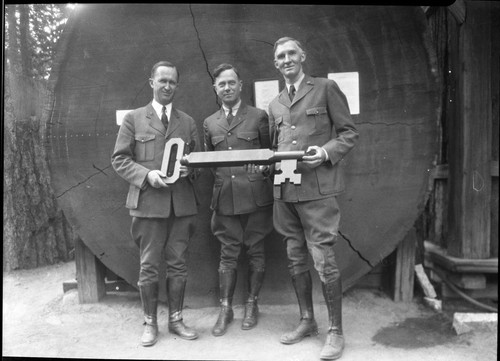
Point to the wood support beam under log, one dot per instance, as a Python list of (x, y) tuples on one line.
[(90, 273), (440, 256), (110, 286), (404, 273)]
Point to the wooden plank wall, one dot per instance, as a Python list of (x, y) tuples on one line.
[(470, 135), (435, 217), (462, 213), (461, 216)]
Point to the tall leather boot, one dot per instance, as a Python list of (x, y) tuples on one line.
[(149, 299), (307, 326), (255, 279), (334, 344), (227, 282), (175, 295)]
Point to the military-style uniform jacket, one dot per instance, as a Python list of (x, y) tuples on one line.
[(319, 115), (139, 148), (236, 191)]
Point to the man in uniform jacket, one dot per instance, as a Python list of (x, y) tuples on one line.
[(162, 215), (242, 198), (311, 114)]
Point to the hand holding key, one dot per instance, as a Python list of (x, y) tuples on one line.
[(314, 156), (254, 168), (156, 179)]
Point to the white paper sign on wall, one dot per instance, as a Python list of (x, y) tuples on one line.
[(265, 91), (349, 84), (120, 114)]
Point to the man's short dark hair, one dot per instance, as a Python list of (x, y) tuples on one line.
[(284, 40), (224, 66), (164, 63)]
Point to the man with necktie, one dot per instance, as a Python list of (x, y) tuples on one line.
[(311, 114), (242, 196), (163, 216)]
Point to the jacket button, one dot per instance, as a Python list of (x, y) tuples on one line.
[(294, 142), (233, 176), (228, 133), (229, 148), (293, 127)]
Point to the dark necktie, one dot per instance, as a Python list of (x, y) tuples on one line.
[(164, 118), (291, 93), (230, 116)]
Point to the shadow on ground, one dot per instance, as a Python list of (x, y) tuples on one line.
[(417, 332)]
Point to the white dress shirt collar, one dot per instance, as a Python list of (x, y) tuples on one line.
[(157, 107), (234, 108), (296, 84)]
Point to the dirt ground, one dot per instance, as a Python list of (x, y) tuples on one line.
[(40, 321)]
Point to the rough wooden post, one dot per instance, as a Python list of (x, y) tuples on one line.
[(90, 273), (470, 134), (405, 267)]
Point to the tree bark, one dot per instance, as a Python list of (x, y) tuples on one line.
[(36, 232)]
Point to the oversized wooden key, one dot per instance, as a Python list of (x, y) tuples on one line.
[(174, 156)]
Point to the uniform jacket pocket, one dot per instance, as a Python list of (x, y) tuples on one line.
[(144, 147), (321, 120), (248, 136), (248, 140), (262, 189), (217, 140), (316, 111)]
